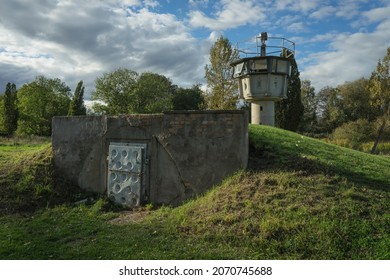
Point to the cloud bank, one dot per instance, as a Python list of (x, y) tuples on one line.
[(73, 40)]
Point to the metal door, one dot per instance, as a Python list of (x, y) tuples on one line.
[(126, 173)]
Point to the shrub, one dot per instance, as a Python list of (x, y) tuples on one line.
[(354, 134)]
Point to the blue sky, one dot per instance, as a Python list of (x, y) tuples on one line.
[(336, 41)]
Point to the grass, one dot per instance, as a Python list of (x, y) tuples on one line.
[(383, 147), (299, 199), (27, 178)]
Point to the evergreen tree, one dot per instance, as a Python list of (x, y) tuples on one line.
[(10, 109), (289, 111), (223, 88), (77, 107)]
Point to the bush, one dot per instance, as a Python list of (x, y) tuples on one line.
[(354, 134), (383, 148)]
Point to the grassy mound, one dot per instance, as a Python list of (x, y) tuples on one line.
[(299, 199), (28, 180)]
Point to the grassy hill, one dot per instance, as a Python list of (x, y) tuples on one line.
[(300, 198)]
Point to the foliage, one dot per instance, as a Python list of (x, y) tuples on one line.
[(380, 85), (153, 93), (380, 90), (28, 180), (10, 109), (38, 102), (77, 107), (330, 115), (223, 88), (2, 128), (289, 111), (383, 148), (354, 134), (125, 92), (116, 90), (346, 103), (188, 99), (309, 101), (355, 101)]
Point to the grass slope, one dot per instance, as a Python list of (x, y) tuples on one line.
[(299, 199), (27, 178)]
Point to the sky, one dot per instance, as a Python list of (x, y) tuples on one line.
[(336, 40)]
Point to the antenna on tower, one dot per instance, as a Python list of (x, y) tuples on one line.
[(262, 75)]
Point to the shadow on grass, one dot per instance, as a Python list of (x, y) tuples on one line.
[(273, 158)]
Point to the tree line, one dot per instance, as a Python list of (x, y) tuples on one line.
[(356, 111), (350, 114), (30, 109)]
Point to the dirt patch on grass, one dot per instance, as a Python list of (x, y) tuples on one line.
[(130, 217)]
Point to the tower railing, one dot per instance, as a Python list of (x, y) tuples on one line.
[(276, 46)]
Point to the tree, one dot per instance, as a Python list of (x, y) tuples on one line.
[(116, 90), (329, 109), (309, 101), (355, 101), (10, 109), (289, 111), (38, 102), (77, 107), (188, 99), (379, 87), (153, 93), (223, 88), (353, 134)]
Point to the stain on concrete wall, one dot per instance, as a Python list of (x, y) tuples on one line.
[(187, 151)]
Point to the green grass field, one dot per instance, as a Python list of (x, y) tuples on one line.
[(300, 198)]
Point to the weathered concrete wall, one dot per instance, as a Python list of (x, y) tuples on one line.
[(188, 151)]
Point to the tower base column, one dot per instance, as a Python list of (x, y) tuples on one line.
[(263, 112)]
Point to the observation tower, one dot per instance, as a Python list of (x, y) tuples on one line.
[(262, 74)]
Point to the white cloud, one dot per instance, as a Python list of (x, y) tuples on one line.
[(230, 14), (351, 9), (351, 57), (377, 14), (198, 3), (323, 12), (95, 38), (76, 40), (296, 27), (303, 6)]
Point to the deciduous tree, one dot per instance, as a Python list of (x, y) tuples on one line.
[(223, 91), (188, 98), (116, 90), (330, 113), (153, 93), (380, 89), (38, 102), (355, 101), (309, 101)]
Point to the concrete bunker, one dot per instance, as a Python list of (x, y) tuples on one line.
[(161, 158)]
